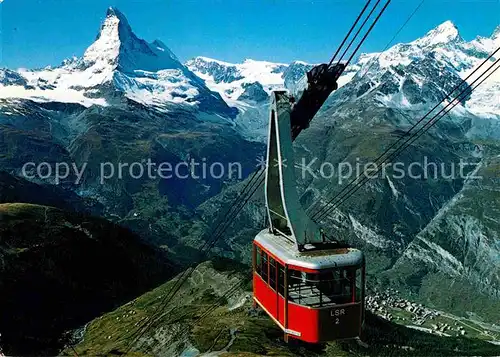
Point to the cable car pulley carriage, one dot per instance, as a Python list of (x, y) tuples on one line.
[(312, 287)]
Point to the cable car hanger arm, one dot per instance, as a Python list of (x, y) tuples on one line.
[(321, 82), (286, 216)]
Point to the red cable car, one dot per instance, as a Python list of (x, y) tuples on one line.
[(312, 288), (314, 296)]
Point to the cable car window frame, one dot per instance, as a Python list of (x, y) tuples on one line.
[(258, 260), (309, 290), (273, 273), (262, 264), (281, 280), (265, 267)]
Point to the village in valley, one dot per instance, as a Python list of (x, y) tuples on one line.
[(391, 307)]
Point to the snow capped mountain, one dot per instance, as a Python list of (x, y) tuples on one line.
[(294, 78), (229, 79), (443, 43), (118, 64), (485, 100), (407, 75), (488, 44), (118, 46), (443, 34), (247, 86), (426, 70)]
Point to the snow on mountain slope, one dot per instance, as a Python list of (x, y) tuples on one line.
[(231, 79), (443, 34), (444, 40), (424, 71), (488, 44), (169, 85), (407, 75), (51, 85), (9, 78), (228, 79), (485, 100), (247, 86), (118, 64)]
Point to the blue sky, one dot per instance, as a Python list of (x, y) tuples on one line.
[(37, 33)]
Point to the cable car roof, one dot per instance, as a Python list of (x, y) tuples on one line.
[(286, 251)]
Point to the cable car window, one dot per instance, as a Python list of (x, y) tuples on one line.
[(272, 273), (264, 268), (330, 287), (258, 260), (336, 286), (281, 280), (303, 288)]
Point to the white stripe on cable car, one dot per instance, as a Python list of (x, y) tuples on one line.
[(292, 332)]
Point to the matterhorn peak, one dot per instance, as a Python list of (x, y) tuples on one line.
[(444, 33), (113, 11), (116, 17), (114, 30), (118, 47)]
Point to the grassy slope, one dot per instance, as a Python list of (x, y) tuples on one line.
[(59, 270), (180, 326), (18, 189)]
